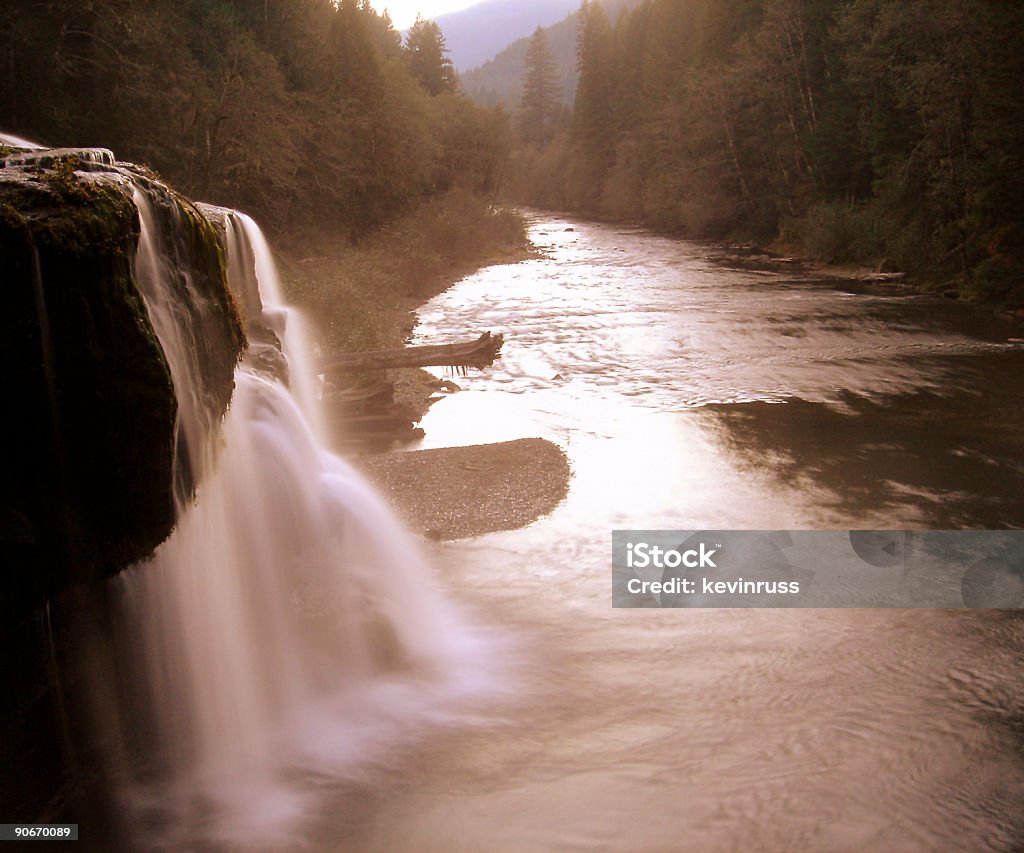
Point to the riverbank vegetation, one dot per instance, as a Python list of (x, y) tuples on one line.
[(347, 143), (360, 296), (872, 131), (882, 132)]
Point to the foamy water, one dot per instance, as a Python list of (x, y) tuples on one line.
[(289, 631)]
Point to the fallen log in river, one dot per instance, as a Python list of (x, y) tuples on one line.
[(477, 353)]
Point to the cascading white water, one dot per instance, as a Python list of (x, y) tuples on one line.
[(262, 278), (288, 626), (18, 142)]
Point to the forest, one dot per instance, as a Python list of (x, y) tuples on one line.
[(875, 131), (301, 112), (882, 132)]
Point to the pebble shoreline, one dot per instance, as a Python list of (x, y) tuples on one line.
[(460, 492)]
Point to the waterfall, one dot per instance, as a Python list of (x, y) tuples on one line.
[(262, 293), (18, 142), (288, 630)]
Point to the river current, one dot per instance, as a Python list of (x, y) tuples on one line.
[(698, 389)]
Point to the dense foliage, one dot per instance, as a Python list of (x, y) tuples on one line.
[(499, 80), (361, 299), (862, 129), (427, 58), (540, 106), (298, 111)]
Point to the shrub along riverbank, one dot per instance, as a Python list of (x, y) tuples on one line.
[(362, 295), (359, 296)]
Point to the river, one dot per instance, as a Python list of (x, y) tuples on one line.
[(696, 389)]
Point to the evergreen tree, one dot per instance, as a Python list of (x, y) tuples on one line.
[(593, 140), (866, 129), (301, 112), (539, 105), (427, 58)]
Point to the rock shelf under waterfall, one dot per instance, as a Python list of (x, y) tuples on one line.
[(94, 415)]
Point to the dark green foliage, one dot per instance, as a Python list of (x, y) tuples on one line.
[(499, 80), (863, 129), (592, 131), (474, 145), (539, 104), (300, 112), (360, 296), (427, 58)]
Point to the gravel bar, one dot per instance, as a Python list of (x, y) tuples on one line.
[(459, 492)]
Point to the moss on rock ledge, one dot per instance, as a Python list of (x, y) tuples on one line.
[(90, 427)]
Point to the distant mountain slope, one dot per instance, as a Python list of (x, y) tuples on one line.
[(476, 34), (498, 80)]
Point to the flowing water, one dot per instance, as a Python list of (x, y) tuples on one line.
[(695, 390), (287, 673), (17, 141), (288, 634)]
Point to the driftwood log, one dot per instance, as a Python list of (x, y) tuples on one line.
[(365, 415), (478, 353), (883, 276)]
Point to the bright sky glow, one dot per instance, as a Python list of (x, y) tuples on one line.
[(403, 12)]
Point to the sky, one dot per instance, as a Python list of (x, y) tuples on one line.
[(403, 12)]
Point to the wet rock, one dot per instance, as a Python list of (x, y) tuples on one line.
[(90, 425), (89, 437)]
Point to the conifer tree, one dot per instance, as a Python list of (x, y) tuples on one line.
[(427, 58), (592, 142), (539, 103)]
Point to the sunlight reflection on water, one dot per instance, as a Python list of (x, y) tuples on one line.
[(688, 395)]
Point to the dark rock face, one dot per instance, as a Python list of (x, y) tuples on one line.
[(89, 429), (88, 434), (194, 248)]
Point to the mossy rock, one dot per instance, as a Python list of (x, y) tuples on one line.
[(90, 425)]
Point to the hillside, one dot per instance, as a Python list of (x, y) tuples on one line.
[(476, 34), (497, 80)]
